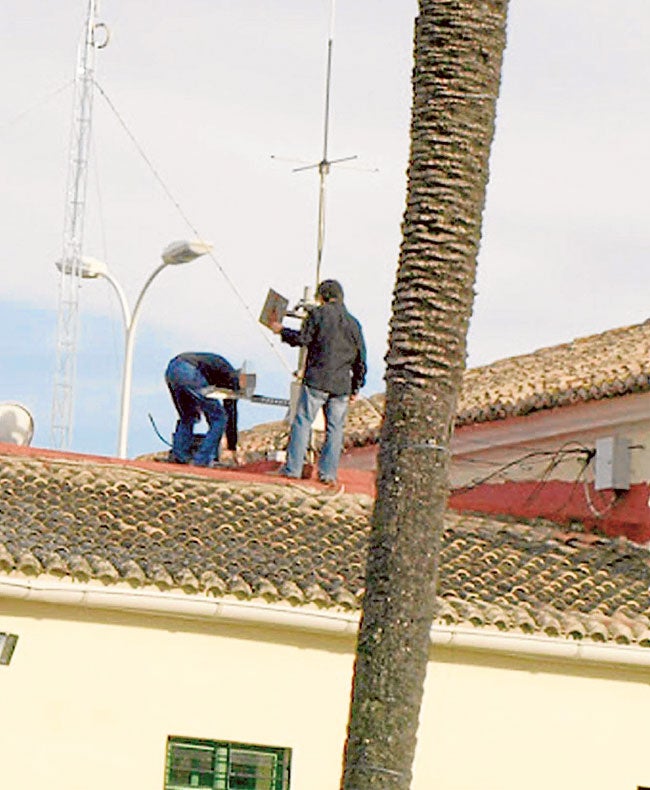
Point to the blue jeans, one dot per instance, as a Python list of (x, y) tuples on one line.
[(336, 409), (185, 383)]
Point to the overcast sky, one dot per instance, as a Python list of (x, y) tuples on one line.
[(224, 98)]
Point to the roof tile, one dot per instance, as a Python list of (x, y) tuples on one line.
[(206, 536), (615, 362)]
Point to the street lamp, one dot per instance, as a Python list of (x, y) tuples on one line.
[(92, 269), (176, 253)]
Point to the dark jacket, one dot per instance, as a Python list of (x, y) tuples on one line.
[(218, 372), (336, 352)]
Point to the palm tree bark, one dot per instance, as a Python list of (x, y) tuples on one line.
[(459, 47)]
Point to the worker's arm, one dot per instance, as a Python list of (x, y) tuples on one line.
[(296, 337)]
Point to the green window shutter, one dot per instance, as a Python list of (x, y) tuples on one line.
[(253, 769), (190, 764), (221, 768), (225, 766)]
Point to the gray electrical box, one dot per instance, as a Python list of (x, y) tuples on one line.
[(7, 647), (612, 463)]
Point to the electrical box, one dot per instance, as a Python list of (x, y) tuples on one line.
[(612, 463), (7, 647)]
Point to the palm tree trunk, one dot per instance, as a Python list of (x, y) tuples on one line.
[(458, 53)]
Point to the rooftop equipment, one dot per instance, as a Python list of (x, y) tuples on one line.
[(16, 424)]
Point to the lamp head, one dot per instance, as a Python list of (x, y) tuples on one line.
[(89, 269), (185, 251)]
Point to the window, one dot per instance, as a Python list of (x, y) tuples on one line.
[(225, 766)]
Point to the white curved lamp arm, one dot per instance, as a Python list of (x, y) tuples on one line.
[(126, 312), (125, 403)]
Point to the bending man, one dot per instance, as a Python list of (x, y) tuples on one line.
[(187, 377), (334, 373)]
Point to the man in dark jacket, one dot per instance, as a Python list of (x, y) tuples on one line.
[(187, 376), (335, 371)]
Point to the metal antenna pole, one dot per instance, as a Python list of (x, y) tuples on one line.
[(70, 278), (323, 166), (325, 163)]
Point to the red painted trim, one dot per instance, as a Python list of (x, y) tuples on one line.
[(353, 481), (624, 513), (558, 501)]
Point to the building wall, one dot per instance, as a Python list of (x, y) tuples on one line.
[(480, 449), (507, 724), (90, 698), (489, 448), (534, 466)]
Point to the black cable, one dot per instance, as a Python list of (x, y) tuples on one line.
[(558, 458), (518, 461), (158, 434)]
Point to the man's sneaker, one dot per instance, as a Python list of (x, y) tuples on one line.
[(333, 484), (173, 459), (281, 473)]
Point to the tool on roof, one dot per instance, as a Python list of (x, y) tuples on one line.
[(247, 393)]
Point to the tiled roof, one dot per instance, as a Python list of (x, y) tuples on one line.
[(612, 363), (111, 524)]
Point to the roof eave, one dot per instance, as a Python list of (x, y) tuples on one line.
[(333, 622)]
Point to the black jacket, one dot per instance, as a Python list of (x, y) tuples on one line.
[(216, 370), (336, 352)]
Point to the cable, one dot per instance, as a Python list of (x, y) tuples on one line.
[(190, 225), (559, 456), (516, 462), (590, 504), (574, 486), (110, 295), (100, 203), (42, 101), (155, 427), (593, 509)]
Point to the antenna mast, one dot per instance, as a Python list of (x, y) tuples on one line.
[(325, 163), (70, 278)]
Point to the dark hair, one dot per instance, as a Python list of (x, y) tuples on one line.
[(330, 291)]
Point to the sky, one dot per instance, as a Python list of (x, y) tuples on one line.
[(205, 109)]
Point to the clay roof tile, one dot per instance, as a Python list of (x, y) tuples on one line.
[(300, 546)]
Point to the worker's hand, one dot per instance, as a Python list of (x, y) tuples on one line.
[(275, 327)]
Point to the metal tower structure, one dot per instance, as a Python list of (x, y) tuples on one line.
[(70, 278)]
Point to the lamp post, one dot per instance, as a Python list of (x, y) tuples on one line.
[(176, 253)]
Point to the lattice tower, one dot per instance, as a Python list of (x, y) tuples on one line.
[(70, 277)]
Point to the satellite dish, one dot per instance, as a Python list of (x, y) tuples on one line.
[(16, 424)]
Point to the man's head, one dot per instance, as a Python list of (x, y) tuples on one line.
[(330, 291), (247, 382)]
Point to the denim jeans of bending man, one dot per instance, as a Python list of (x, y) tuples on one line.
[(335, 408), (185, 383)]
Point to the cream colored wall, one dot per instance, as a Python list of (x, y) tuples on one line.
[(515, 723), (90, 705)]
